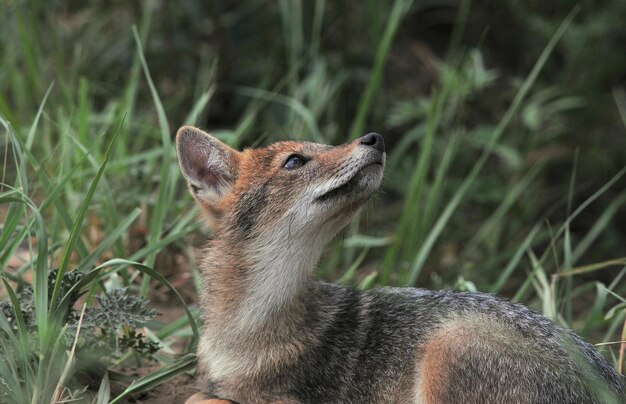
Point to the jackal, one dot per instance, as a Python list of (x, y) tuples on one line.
[(274, 334)]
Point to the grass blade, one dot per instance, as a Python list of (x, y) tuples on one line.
[(181, 365), (76, 228), (508, 270), (40, 286), (167, 176), (398, 11), (104, 245), (432, 237)]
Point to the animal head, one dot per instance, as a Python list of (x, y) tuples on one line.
[(300, 188)]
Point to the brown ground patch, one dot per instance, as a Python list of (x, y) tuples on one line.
[(174, 391)]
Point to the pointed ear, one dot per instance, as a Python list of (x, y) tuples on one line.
[(209, 165)]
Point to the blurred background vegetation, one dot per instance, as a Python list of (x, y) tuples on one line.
[(505, 124)]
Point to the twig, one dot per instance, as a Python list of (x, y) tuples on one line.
[(66, 370)]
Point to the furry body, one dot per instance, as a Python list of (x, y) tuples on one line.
[(273, 333)]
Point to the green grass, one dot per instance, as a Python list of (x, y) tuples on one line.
[(505, 179)]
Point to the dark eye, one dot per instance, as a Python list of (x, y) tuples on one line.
[(294, 161)]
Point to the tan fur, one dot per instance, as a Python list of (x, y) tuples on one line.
[(201, 398), (445, 346), (466, 340)]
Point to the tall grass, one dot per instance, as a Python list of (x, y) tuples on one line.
[(65, 168), (90, 181)]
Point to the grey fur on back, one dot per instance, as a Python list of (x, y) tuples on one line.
[(371, 341)]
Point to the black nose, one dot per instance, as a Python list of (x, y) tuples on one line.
[(373, 140)]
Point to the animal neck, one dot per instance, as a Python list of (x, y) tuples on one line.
[(263, 280)]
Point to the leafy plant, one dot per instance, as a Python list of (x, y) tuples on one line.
[(105, 331)]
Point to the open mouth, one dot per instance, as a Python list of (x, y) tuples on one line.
[(347, 187)]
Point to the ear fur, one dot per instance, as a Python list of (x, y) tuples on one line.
[(209, 165)]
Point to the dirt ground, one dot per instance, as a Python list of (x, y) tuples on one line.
[(174, 391)]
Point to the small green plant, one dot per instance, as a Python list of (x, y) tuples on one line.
[(103, 332), (106, 328)]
